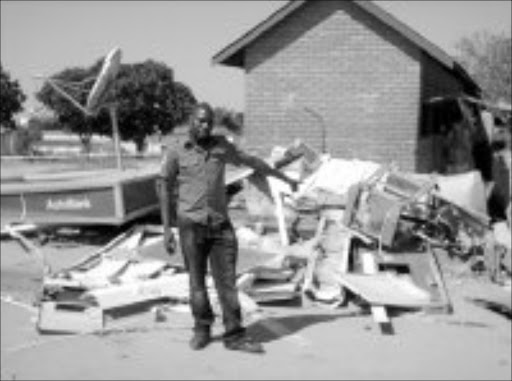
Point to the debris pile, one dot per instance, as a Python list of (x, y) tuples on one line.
[(376, 237), (118, 279), (379, 236)]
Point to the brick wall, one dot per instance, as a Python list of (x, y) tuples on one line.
[(332, 64)]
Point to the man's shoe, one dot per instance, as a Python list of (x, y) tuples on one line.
[(200, 340), (244, 344)]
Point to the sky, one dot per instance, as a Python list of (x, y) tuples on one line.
[(45, 37)]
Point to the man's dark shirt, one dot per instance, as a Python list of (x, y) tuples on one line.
[(199, 173)]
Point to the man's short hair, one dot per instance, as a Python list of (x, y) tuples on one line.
[(206, 107)]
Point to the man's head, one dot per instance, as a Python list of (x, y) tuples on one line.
[(202, 122)]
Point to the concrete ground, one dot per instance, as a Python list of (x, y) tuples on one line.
[(302, 342)]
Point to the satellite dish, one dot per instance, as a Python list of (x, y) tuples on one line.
[(104, 81), (96, 98)]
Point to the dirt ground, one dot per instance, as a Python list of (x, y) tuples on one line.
[(302, 342)]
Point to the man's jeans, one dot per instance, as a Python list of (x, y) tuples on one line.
[(218, 244)]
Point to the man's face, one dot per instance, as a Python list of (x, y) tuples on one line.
[(201, 127)]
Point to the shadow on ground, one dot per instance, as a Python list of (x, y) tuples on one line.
[(499, 308), (275, 328)]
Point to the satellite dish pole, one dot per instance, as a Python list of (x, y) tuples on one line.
[(112, 108), (96, 98)]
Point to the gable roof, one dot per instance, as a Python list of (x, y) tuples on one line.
[(234, 53)]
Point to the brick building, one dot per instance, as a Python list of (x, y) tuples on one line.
[(344, 76)]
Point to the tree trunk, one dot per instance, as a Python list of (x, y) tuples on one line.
[(85, 140), (140, 145)]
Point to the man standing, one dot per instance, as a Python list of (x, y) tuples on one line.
[(195, 168)]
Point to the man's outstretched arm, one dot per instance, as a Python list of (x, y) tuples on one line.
[(261, 166)]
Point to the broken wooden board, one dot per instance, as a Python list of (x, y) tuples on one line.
[(69, 317), (386, 289), (7, 229), (335, 246), (424, 271), (269, 273), (379, 313), (271, 291), (265, 290), (277, 187), (173, 286), (447, 306)]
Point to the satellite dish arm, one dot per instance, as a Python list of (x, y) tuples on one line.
[(67, 96)]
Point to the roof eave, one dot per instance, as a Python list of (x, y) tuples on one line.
[(234, 53), (235, 60)]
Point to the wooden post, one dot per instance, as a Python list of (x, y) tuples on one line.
[(279, 211)]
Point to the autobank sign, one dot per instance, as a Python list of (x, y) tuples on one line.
[(92, 203), (68, 203)]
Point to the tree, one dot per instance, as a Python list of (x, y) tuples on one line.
[(146, 95), (11, 99), (487, 57), (181, 104), (149, 100), (44, 122)]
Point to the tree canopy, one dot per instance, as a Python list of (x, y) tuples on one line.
[(11, 99), (146, 95), (487, 57)]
